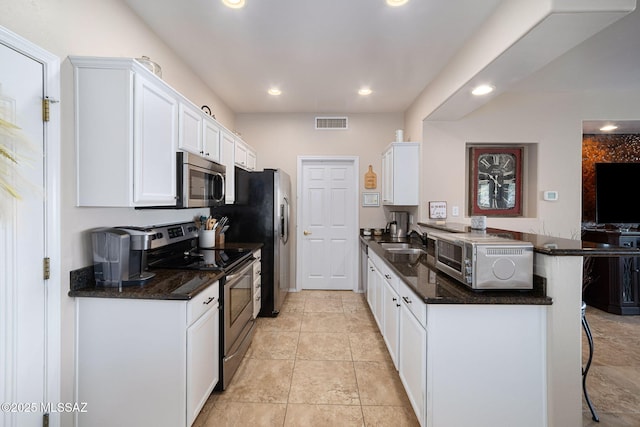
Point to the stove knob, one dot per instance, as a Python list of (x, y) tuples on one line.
[(158, 235)]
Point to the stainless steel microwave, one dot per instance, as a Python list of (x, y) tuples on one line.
[(484, 261), (201, 183)]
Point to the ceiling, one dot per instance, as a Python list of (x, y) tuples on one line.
[(320, 52), (317, 52)]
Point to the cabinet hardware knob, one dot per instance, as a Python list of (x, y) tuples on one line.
[(306, 233)]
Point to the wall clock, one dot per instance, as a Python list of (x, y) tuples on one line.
[(496, 181), (437, 210)]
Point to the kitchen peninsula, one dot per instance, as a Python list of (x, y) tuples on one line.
[(546, 328)]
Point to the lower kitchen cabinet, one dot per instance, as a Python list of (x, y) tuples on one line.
[(462, 364), (143, 362), (257, 283), (412, 351)]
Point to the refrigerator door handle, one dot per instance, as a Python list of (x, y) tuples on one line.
[(284, 218)]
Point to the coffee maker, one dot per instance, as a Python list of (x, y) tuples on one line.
[(398, 224), (119, 256)]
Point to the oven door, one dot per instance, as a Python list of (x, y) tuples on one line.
[(238, 322), (450, 258)]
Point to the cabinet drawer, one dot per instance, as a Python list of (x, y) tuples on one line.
[(202, 302), (257, 302), (257, 264), (415, 305)]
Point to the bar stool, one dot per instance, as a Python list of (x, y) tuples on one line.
[(585, 370)]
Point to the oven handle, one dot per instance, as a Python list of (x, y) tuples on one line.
[(241, 268), (247, 336)]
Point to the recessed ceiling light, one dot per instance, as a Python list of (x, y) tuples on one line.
[(608, 128), (365, 91), (274, 91), (396, 3), (482, 90), (234, 4)]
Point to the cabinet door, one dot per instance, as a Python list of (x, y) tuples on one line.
[(387, 176), (412, 361), (251, 159), (202, 361), (371, 285), (211, 140), (227, 154), (391, 308), (190, 129), (154, 153), (240, 154)]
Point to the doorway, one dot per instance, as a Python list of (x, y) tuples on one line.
[(29, 233), (327, 223)]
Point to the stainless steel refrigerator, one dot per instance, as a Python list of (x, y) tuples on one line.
[(261, 215)]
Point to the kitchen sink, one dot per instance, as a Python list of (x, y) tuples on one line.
[(394, 245), (406, 251)]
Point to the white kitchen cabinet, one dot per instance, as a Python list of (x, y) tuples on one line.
[(374, 292), (400, 174), (190, 128), (146, 362), (391, 314), (438, 345), (252, 159), (126, 132), (257, 283), (211, 139), (198, 132), (227, 158), (245, 155), (412, 350), (240, 153)]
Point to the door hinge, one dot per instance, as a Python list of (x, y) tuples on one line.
[(46, 268), (45, 420), (45, 109), (46, 104)]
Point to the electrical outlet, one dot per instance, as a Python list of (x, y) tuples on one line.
[(455, 211)]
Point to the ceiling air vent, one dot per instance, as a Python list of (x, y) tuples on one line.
[(331, 123)]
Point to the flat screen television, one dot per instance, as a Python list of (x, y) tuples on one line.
[(617, 193)]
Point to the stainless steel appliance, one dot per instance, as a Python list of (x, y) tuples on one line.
[(398, 224), (175, 246), (200, 182), (485, 261), (261, 215), (119, 257)]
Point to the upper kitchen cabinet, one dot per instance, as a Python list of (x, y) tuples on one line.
[(227, 158), (400, 174), (245, 156), (211, 139), (198, 133), (126, 130)]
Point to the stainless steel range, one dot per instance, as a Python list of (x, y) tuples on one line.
[(175, 246)]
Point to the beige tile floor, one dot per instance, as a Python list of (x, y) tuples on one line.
[(321, 362), (613, 381)]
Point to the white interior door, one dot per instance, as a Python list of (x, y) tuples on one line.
[(328, 228), (23, 318)]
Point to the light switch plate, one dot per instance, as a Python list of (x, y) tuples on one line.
[(550, 195)]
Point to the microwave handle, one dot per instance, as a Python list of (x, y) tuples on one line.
[(224, 185)]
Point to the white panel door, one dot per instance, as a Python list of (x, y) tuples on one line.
[(23, 319), (328, 229)]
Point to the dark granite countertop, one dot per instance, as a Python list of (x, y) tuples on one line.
[(435, 287), (549, 245), (167, 284)]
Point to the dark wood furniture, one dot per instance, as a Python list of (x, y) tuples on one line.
[(616, 284)]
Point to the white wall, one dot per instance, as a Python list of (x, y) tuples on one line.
[(95, 28), (280, 138), (553, 121)]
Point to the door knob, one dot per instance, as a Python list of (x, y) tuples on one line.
[(306, 233)]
